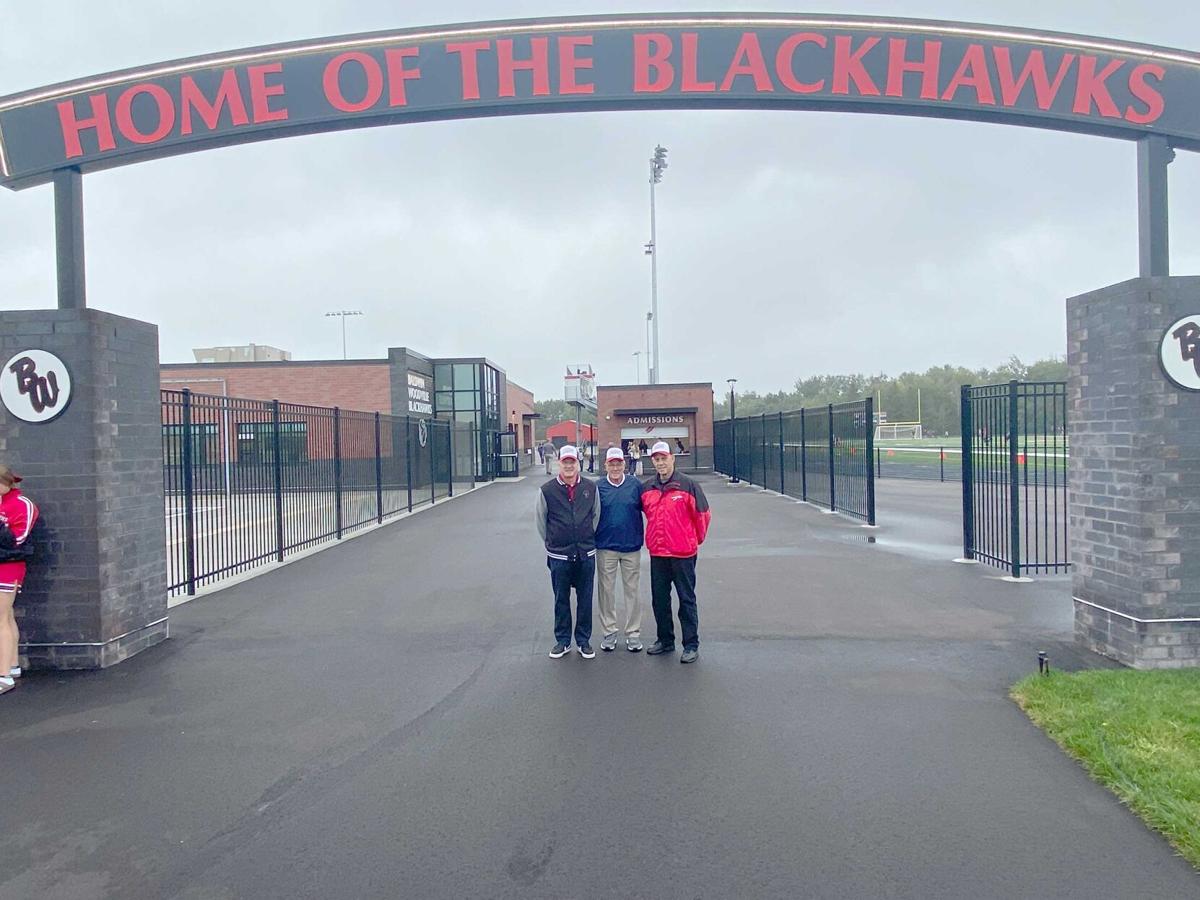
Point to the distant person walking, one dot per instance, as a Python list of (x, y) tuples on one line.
[(619, 548), (635, 454), (17, 516), (568, 511), (677, 520)]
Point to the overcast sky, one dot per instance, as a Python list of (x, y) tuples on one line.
[(790, 243)]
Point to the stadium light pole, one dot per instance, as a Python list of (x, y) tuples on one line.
[(342, 314), (733, 428), (637, 358), (649, 359), (658, 165)]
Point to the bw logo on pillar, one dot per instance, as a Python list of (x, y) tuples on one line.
[(35, 386)]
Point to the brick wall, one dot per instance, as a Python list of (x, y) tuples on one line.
[(1134, 476), (520, 402), (353, 384)]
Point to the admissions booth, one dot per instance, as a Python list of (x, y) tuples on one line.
[(680, 414)]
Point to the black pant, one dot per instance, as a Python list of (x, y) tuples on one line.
[(681, 572), (564, 575)]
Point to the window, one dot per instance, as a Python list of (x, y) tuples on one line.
[(255, 440), (464, 377), (465, 400), (443, 401), (442, 378), (205, 447)]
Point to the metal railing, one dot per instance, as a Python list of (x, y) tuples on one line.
[(1014, 475), (248, 482), (822, 455)]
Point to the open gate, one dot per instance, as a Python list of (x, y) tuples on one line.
[(1014, 475)]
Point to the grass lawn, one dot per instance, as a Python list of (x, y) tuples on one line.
[(1137, 733)]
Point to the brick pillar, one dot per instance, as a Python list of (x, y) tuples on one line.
[(1134, 476), (96, 589)]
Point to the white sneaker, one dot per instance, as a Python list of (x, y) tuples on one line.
[(14, 672)]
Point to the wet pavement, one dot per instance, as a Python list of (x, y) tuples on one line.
[(381, 720)]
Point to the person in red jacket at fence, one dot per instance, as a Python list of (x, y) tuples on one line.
[(677, 519), (17, 515)]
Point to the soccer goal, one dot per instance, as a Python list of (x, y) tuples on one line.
[(898, 431)]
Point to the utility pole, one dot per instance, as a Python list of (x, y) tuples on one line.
[(658, 164), (342, 314)]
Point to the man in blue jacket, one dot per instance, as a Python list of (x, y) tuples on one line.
[(568, 510), (619, 548)]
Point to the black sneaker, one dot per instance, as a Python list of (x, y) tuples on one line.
[(659, 647), (559, 651), (586, 651), (689, 656)]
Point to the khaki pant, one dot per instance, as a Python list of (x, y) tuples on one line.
[(630, 564)]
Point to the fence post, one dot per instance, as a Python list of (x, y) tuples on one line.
[(941, 464), (450, 438), (803, 459), (378, 472), (277, 457), (429, 439), (733, 443), (832, 483), (337, 468), (474, 454), (878, 462), (781, 481), (189, 500), (968, 471), (870, 423), (1014, 483), (763, 426), (408, 458)]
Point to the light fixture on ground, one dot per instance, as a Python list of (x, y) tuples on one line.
[(342, 314), (658, 165)]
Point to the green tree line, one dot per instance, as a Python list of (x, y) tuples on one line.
[(896, 396)]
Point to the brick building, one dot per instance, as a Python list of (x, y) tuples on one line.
[(522, 416), (680, 414), (467, 390)]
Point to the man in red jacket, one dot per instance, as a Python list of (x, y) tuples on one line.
[(677, 519)]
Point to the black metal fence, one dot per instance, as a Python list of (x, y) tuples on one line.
[(1014, 462), (823, 455), (248, 482)]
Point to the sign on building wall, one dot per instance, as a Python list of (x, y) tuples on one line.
[(35, 386), (420, 401), (1179, 353)]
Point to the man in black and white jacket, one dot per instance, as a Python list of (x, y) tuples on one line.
[(568, 511)]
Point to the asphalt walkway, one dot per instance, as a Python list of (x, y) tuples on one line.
[(381, 720)]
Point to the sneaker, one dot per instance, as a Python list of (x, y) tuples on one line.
[(659, 647), (586, 651), (633, 645), (559, 651), (7, 684), (14, 672), (690, 656), (609, 643)]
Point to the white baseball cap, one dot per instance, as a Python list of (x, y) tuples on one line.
[(614, 453), (568, 452), (660, 447)]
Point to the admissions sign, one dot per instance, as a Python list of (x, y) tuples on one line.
[(898, 66)]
